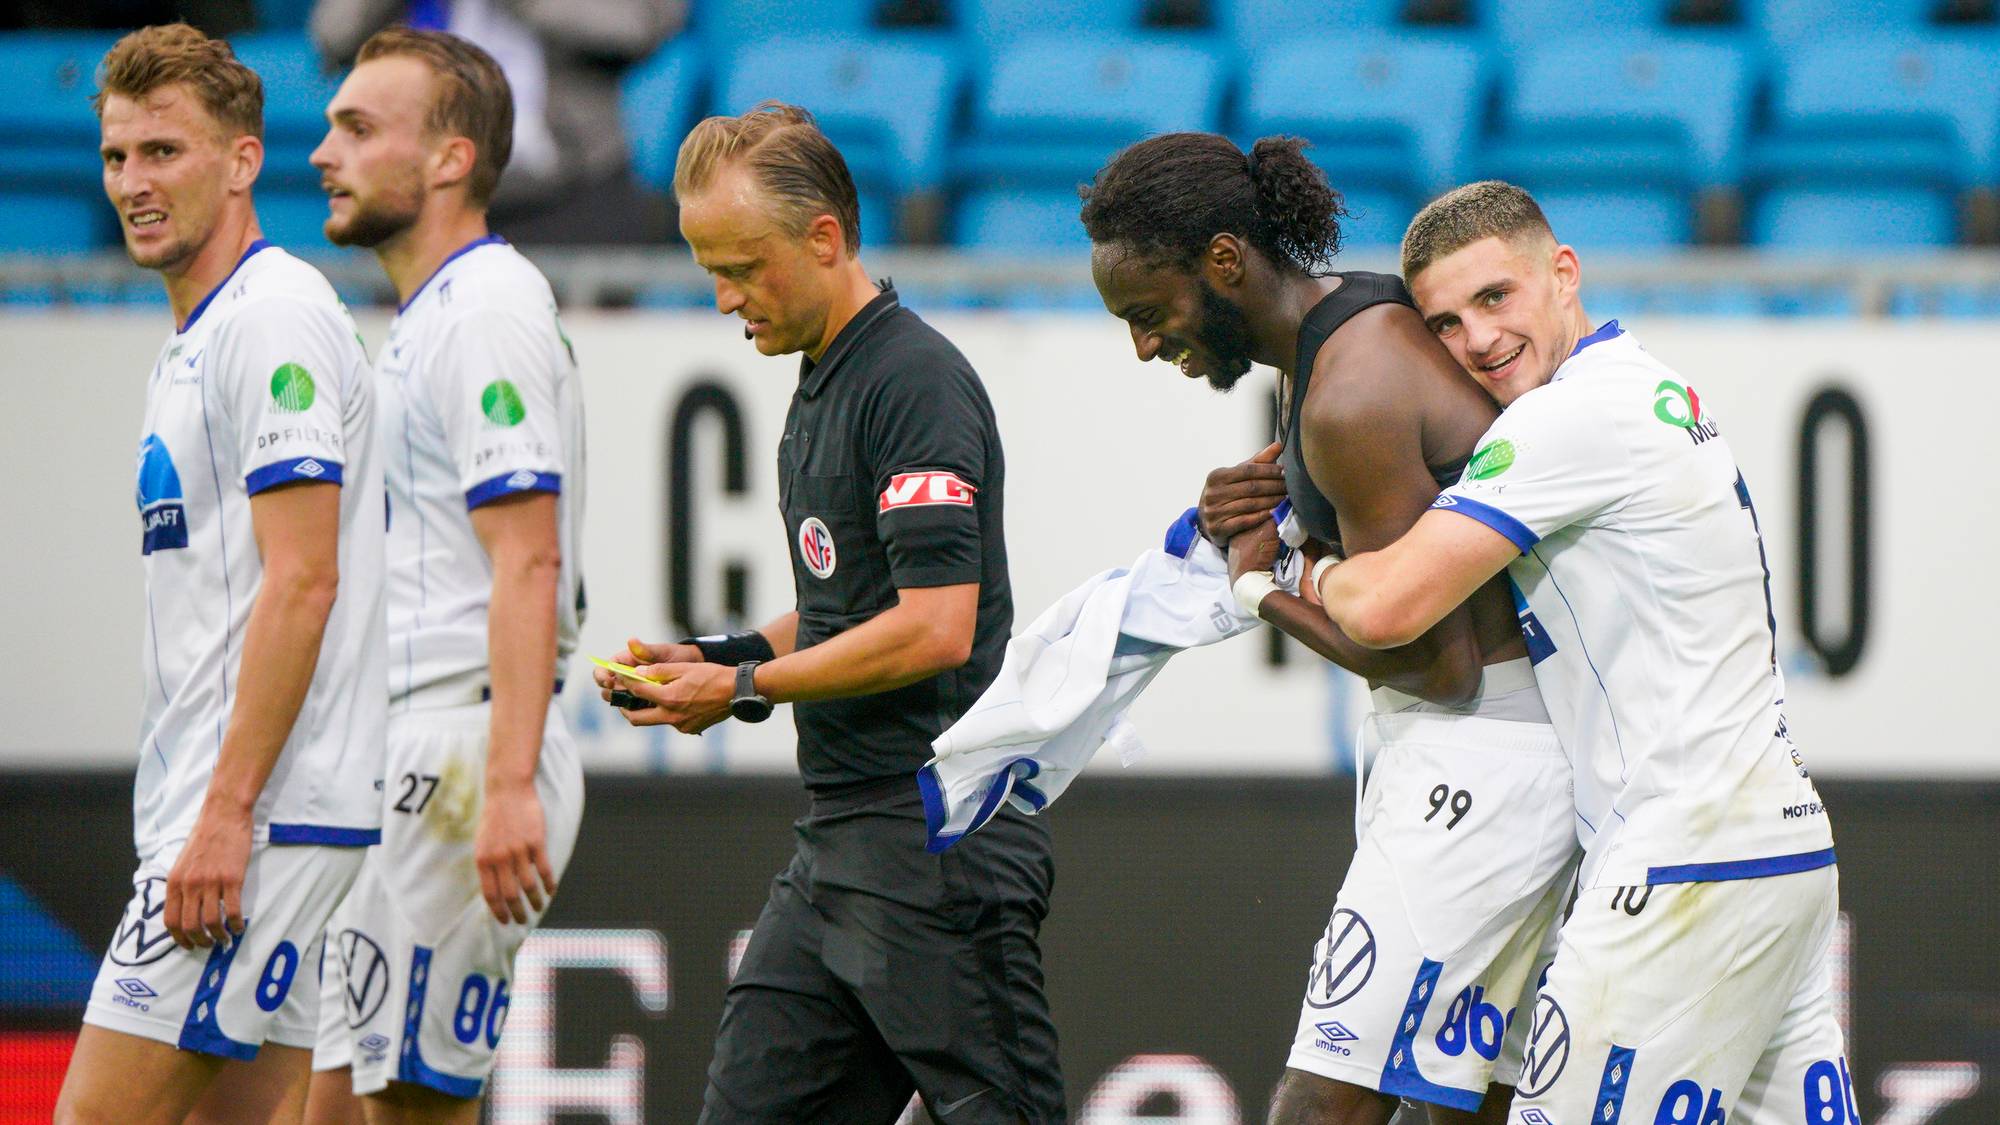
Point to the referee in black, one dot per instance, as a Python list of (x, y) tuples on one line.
[(875, 968)]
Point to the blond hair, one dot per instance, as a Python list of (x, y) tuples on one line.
[(153, 58), (800, 171), (473, 99), (1463, 216)]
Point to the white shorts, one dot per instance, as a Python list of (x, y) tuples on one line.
[(1691, 1004), (1464, 858), (226, 1000), (414, 985)]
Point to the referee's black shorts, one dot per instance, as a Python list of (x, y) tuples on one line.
[(877, 968)]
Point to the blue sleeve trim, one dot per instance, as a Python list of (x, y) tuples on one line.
[(521, 480), (200, 1031), (325, 835), (291, 472), (1182, 533), (1516, 532), (937, 809), (1740, 868)]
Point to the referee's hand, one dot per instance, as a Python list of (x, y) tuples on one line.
[(1235, 499), (617, 690)]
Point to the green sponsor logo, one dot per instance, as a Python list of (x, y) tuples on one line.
[(1676, 405), (1492, 459), (292, 389), (502, 404)]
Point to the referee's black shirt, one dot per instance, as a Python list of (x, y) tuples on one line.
[(890, 475)]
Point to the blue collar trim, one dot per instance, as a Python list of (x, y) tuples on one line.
[(487, 240), (1607, 332), (260, 244)]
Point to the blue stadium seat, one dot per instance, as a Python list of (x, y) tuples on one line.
[(1617, 136), (296, 92), (886, 103), (54, 221), (656, 100), (1053, 110), (1970, 300), (1883, 135), (991, 23), (1254, 25), (48, 131), (1617, 219), (1911, 111), (294, 219), (1788, 22), (1529, 21), (727, 23), (1391, 118), (1376, 219), (283, 15), (1021, 219), (1844, 217), (1632, 108)]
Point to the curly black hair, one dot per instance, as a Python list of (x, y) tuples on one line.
[(1167, 196)]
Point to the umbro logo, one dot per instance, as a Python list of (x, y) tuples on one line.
[(520, 480), (374, 1047), (135, 988), (1335, 1032), (309, 468), (1536, 1117)]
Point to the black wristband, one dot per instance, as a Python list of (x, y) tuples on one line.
[(733, 648)]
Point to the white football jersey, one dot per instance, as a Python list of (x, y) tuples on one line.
[(1645, 598), (480, 400), (266, 385)]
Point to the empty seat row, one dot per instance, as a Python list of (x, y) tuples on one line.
[(1844, 142), (1253, 24), (1839, 143)]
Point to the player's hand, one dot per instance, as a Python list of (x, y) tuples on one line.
[(637, 652), (205, 887), (1254, 549), (692, 697), (1237, 498), (1313, 550), (512, 853)]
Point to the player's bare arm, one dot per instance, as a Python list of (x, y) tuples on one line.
[(929, 630), (1384, 598), (298, 530), (522, 544)]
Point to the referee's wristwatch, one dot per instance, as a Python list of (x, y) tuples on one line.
[(746, 705)]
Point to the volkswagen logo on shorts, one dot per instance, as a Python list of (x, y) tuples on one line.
[(1343, 960), (1548, 1048), (365, 975), (142, 936), (816, 547)]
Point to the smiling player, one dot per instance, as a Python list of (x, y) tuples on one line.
[(1692, 981)]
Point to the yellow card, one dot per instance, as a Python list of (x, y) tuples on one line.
[(627, 671)]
